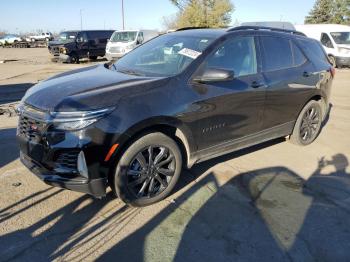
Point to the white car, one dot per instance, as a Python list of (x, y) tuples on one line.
[(9, 39), (335, 39), (122, 42), (42, 36)]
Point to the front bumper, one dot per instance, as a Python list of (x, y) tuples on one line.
[(95, 187), (342, 61), (113, 56)]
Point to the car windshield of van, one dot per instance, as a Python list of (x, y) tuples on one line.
[(123, 36), (67, 36), (341, 38), (166, 55)]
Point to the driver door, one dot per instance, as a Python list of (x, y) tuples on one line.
[(230, 110)]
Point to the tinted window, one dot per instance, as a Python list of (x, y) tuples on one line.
[(314, 50), (166, 55), (237, 54), (326, 41), (277, 53), (298, 56)]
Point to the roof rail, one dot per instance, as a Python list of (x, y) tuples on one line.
[(191, 27), (266, 28)]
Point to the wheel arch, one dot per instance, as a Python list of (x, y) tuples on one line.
[(169, 126)]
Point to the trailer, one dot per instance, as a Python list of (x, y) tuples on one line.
[(27, 44)]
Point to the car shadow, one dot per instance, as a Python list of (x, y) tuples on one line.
[(262, 215), (13, 92), (8, 146)]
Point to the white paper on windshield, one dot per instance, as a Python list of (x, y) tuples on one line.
[(189, 53)]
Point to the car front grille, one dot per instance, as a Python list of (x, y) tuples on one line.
[(30, 128), (115, 49)]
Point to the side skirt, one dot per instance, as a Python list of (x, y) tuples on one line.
[(240, 143)]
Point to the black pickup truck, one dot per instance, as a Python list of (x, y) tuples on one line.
[(71, 46)]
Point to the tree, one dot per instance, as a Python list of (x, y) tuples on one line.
[(329, 11), (203, 13), (321, 12)]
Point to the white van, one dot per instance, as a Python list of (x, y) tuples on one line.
[(122, 42), (334, 38)]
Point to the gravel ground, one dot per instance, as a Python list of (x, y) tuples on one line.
[(275, 201)]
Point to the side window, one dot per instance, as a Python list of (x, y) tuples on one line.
[(277, 53), (326, 41), (82, 37), (298, 56), (140, 38), (237, 54), (314, 50)]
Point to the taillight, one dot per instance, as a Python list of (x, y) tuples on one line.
[(332, 71)]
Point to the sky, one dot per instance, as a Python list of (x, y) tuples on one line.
[(22, 16)]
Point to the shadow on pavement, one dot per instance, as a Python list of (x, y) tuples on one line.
[(8, 145), (266, 214), (263, 215), (13, 92)]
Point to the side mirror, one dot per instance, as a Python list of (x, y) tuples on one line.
[(214, 75)]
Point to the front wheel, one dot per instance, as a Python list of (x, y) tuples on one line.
[(333, 61), (148, 170), (308, 125), (74, 58)]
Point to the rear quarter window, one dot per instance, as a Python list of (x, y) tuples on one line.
[(313, 50), (277, 53)]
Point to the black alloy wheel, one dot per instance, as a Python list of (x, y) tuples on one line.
[(148, 170), (308, 125)]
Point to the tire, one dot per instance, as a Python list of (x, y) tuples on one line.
[(308, 125), (139, 184), (74, 58), (92, 57), (333, 61)]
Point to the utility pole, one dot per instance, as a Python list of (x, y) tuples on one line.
[(123, 14), (81, 19)]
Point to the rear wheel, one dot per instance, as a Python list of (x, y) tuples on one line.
[(308, 124), (148, 170), (74, 58)]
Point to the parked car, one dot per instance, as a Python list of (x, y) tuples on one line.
[(71, 46), (334, 38), (122, 42), (9, 39), (40, 37), (177, 100)]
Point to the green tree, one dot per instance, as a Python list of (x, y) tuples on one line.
[(329, 11), (321, 13), (203, 13)]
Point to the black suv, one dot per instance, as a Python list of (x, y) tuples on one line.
[(73, 45), (176, 100)]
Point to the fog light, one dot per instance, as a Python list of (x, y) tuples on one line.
[(82, 168)]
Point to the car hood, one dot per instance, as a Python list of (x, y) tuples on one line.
[(59, 42), (87, 89)]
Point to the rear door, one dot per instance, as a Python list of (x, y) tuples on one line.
[(290, 79), (231, 109)]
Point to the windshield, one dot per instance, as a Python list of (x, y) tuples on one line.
[(123, 36), (166, 55), (67, 36), (341, 38)]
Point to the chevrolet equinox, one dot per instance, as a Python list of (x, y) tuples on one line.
[(177, 100)]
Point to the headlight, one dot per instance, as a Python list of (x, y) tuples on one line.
[(344, 50), (64, 50), (77, 120)]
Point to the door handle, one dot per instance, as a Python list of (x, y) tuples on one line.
[(256, 84)]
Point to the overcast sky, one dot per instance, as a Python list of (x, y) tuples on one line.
[(56, 15)]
